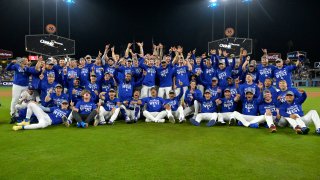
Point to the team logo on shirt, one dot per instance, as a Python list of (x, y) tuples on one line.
[(126, 86), (59, 113), (281, 74), (151, 71), (154, 102), (72, 74), (249, 106), (210, 71), (86, 107), (271, 107), (84, 71), (164, 72), (228, 104), (222, 75), (93, 86), (110, 105), (293, 109), (265, 71), (207, 105), (181, 71)]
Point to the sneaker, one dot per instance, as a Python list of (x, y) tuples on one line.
[(78, 124), (110, 122), (23, 123), (194, 122), (298, 130), (135, 120), (148, 120), (240, 123), (211, 123), (254, 125), (96, 120), (232, 122), (171, 119), (128, 120), (65, 121), (161, 121), (181, 120), (305, 130), (318, 131), (273, 128), (16, 128), (102, 122), (85, 125)]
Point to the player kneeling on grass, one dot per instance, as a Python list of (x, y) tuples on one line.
[(228, 106), (208, 110), (53, 116), (269, 112), (291, 110), (154, 111), (173, 107), (84, 111), (110, 108), (131, 109)]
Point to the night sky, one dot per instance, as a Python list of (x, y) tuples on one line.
[(172, 22)]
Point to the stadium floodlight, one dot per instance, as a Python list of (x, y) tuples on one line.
[(69, 1), (246, 1), (212, 1)]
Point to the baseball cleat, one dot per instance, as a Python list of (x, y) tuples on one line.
[(13, 119), (102, 122), (148, 120), (23, 123), (85, 125), (298, 130), (161, 121), (273, 128), (78, 124), (16, 128), (65, 121), (254, 125), (194, 122), (305, 130), (171, 119), (135, 120), (232, 122), (318, 131), (110, 122), (96, 120), (211, 123)]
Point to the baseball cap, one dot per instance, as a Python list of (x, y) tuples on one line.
[(227, 89), (153, 88), (289, 93), (64, 102), (87, 57), (279, 60), (93, 74), (221, 62), (207, 91), (171, 92), (107, 72), (249, 91), (129, 60), (229, 77), (215, 78), (251, 65), (112, 90), (163, 61), (50, 62), (58, 85), (266, 91)]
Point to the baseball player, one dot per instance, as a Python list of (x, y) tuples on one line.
[(154, 107), (150, 77), (55, 98), (224, 70), (84, 111), (165, 75), (53, 116), (292, 111), (20, 80), (94, 87), (130, 109), (208, 110), (46, 86), (283, 89), (173, 108), (228, 106), (110, 109), (282, 72), (264, 69), (75, 91), (190, 100), (249, 85)]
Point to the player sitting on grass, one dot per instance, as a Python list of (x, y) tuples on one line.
[(208, 110), (53, 116), (154, 111), (249, 109), (228, 106), (173, 107), (130, 109), (269, 112), (110, 108), (84, 111), (291, 110)]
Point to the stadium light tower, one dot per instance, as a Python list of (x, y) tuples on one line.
[(69, 2), (212, 4), (248, 2)]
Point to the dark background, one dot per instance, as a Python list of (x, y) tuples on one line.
[(279, 25)]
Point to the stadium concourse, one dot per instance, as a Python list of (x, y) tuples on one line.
[(175, 86)]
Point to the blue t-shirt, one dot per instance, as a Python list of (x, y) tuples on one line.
[(85, 107), (154, 104)]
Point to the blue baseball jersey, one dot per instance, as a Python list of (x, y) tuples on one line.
[(284, 73), (109, 103), (165, 76), (228, 105), (154, 104), (56, 115), (85, 107), (208, 106), (287, 109), (21, 75)]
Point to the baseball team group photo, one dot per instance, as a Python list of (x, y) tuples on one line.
[(99, 89)]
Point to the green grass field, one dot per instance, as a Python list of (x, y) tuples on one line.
[(157, 151)]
